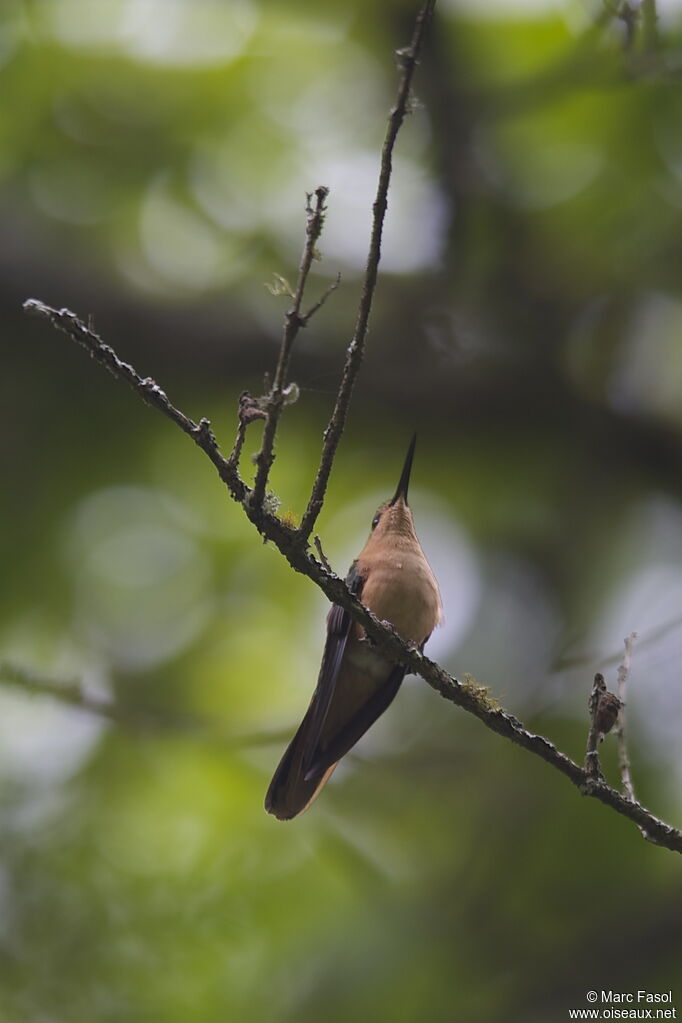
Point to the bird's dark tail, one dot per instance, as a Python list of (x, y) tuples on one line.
[(311, 757), (294, 787)]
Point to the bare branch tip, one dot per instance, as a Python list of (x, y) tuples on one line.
[(305, 317)]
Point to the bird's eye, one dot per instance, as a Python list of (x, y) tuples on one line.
[(375, 520)]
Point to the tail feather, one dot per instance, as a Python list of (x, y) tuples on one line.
[(311, 758), (293, 788)]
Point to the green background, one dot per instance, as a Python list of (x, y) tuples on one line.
[(154, 159)]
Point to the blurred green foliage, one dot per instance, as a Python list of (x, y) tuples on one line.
[(153, 162)]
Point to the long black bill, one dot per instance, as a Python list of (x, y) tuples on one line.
[(404, 481)]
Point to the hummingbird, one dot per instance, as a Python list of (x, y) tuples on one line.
[(357, 682)]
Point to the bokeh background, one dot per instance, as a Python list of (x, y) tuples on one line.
[(154, 158)]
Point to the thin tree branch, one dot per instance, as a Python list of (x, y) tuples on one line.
[(408, 59), (320, 302), (623, 758), (293, 322), (249, 409), (592, 768), (147, 389)]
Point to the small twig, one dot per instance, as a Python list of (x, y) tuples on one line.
[(320, 302), (592, 768), (236, 452), (293, 322), (147, 389), (250, 408), (268, 525), (332, 435), (623, 758)]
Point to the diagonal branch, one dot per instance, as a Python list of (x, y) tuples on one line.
[(408, 59), (466, 695), (147, 389), (320, 302), (150, 392)]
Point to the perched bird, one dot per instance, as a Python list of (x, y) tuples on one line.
[(357, 682)]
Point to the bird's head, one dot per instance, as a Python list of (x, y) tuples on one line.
[(395, 516)]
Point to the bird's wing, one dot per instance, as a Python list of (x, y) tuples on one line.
[(355, 728), (290, 792), (339, 624)]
